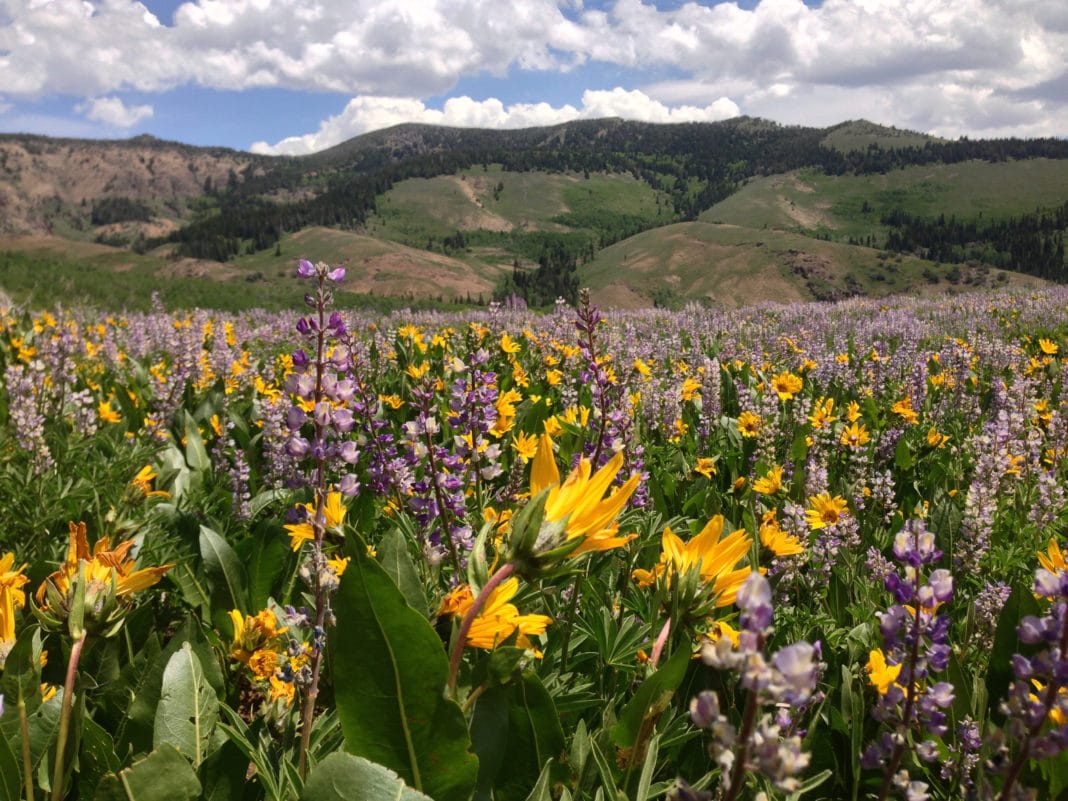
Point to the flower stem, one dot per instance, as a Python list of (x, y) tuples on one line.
[(465, 625), (748, 721), (27, 761), (64, 715)]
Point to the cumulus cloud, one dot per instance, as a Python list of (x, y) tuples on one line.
[(992, 54), (112, 111), (364, 114)]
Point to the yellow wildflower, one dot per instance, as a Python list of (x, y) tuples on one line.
[(579, 500), (706, 466), (855, 436), (771, 483), (880, 674), (749, 424), (825, 510), (786, 385), (12, 597)]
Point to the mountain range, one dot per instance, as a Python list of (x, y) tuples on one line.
[(732, 212)]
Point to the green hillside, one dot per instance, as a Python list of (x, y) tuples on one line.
[(731, 265), (844, 206)]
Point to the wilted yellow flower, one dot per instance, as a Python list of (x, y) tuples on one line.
[(825, 510), (880, 674), (109, 575)]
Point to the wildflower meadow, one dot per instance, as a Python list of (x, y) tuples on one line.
[(783, 552)]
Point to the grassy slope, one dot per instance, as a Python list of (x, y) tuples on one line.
[(733, 265), (812, 202)]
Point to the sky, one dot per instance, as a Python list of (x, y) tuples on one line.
[(297, 76)]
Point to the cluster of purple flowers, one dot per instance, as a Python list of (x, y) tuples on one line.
[(765, 743), (916, 637)]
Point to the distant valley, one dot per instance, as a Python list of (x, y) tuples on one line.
[(731, 213)]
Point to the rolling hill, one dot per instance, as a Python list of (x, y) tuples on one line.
[(734, 212)]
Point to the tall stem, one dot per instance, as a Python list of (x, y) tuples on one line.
[(64, 715), (465, 625), (27, 760), (748, 720), (307, 712)]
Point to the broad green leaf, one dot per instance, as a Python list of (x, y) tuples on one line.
[(196, 455), (266, 563), (137, 729), (223, 774), (394, 557), (489, 738), (188, 709), (999, 674), (344, 777), (645, 780), (390, 668), (226, 571), (164, 775), (535, 738), (265, 498), (96, 758), (10, 769), (651, 699)]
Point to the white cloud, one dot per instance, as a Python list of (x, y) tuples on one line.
[(112, 111), (881, 53), (365, 113)]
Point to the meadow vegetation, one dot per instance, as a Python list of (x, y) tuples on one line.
[(782, 551)]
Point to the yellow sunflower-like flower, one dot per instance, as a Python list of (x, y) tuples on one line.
[(333, 517), (706, 466), (499, 618), (786, 385), (904, 409), (825, 510), (109, 577), (1048, 347), (771, 483), (12, 597), (880, 674), (749, 424), (855, 436), (776, 540), (713, 556), (578, 508)]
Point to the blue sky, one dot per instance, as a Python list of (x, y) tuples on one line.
[(295, 76)]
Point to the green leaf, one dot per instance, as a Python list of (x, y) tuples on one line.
[(223, 774), (164, 775), (394, 557), (542, 790), (188, 708), (137, 730), (10, 770), (651, 699), (390, 668), (344, 777), (267, 563), (999, 674), (902, 454), (196, 455), (226, 571), (96, 758)]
